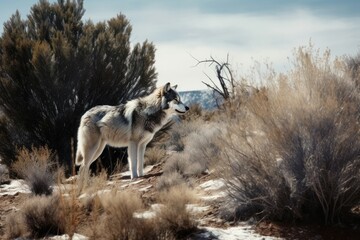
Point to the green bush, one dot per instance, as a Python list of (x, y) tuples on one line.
[(54, 67)]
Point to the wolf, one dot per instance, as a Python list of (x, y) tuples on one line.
[(132, 125)]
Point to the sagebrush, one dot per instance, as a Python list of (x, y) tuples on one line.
[(36, 166), (292, 151)]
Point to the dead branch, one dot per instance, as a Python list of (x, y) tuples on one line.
[(223, 74)]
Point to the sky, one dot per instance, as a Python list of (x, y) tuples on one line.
[(247, 31)]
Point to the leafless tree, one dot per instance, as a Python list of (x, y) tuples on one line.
[(224, 75)]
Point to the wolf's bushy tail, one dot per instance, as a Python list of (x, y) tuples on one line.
[(79, 158)]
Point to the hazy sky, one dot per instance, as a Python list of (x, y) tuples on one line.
[(261, 30)]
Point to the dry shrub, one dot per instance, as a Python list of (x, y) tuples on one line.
[(89, 184), (175, 142), (116, 218), (353, 65), (178, 133), (154, 155), (97, 182), (36, 167), (172, 216), (201, 150), (42, 216), (15, 226), (292, 151), (90, 197), (169, 179), (197, 112), (113, 216)]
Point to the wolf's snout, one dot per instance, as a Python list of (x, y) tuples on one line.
[(187, 108)]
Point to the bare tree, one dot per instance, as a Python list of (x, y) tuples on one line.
[(224, 75)]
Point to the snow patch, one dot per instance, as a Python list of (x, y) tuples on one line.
[(149, 213), (145, 189), (131, 182), (232, 233), (128, 174), (98, 193), (76, 236), (14, 187), (213, 197), (213, 185), (195, 208)]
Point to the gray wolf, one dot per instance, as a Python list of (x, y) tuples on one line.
[(132, 125)]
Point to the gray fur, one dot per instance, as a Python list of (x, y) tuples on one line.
[(131, 125)]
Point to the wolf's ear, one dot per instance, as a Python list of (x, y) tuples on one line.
[(174, 87), (167, 87)]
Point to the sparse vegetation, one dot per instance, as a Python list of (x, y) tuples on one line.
[(114, 217), (287, 145), (169, 179), (154, 155), (292, 152), (40, 216), (173, 215), (353, 69), (200, 149), (37, 167), (118, 221), (15, 227)]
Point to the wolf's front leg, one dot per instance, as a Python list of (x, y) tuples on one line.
[(140, 155), (132, 158)]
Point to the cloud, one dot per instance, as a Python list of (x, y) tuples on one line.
[(181, 34), (246, 30)]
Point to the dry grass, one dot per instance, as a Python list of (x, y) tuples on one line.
[(15, 227), (90, 198), (292, 151), (200, 149), (353, 65), (169, 179), (114, 218), (36, 166), (43, 216), (173, 216), (154, 155)]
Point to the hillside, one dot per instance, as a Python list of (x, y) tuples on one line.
[(209, 191), (207, 99)]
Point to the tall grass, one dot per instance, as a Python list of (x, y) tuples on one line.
[(172, 216), (36, 166), (293, 150)]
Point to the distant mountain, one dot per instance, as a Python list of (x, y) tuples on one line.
[(205, 98)]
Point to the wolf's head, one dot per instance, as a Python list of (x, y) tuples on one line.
[(171, 100)]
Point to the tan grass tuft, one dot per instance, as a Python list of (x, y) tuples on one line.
[(36, 166)]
